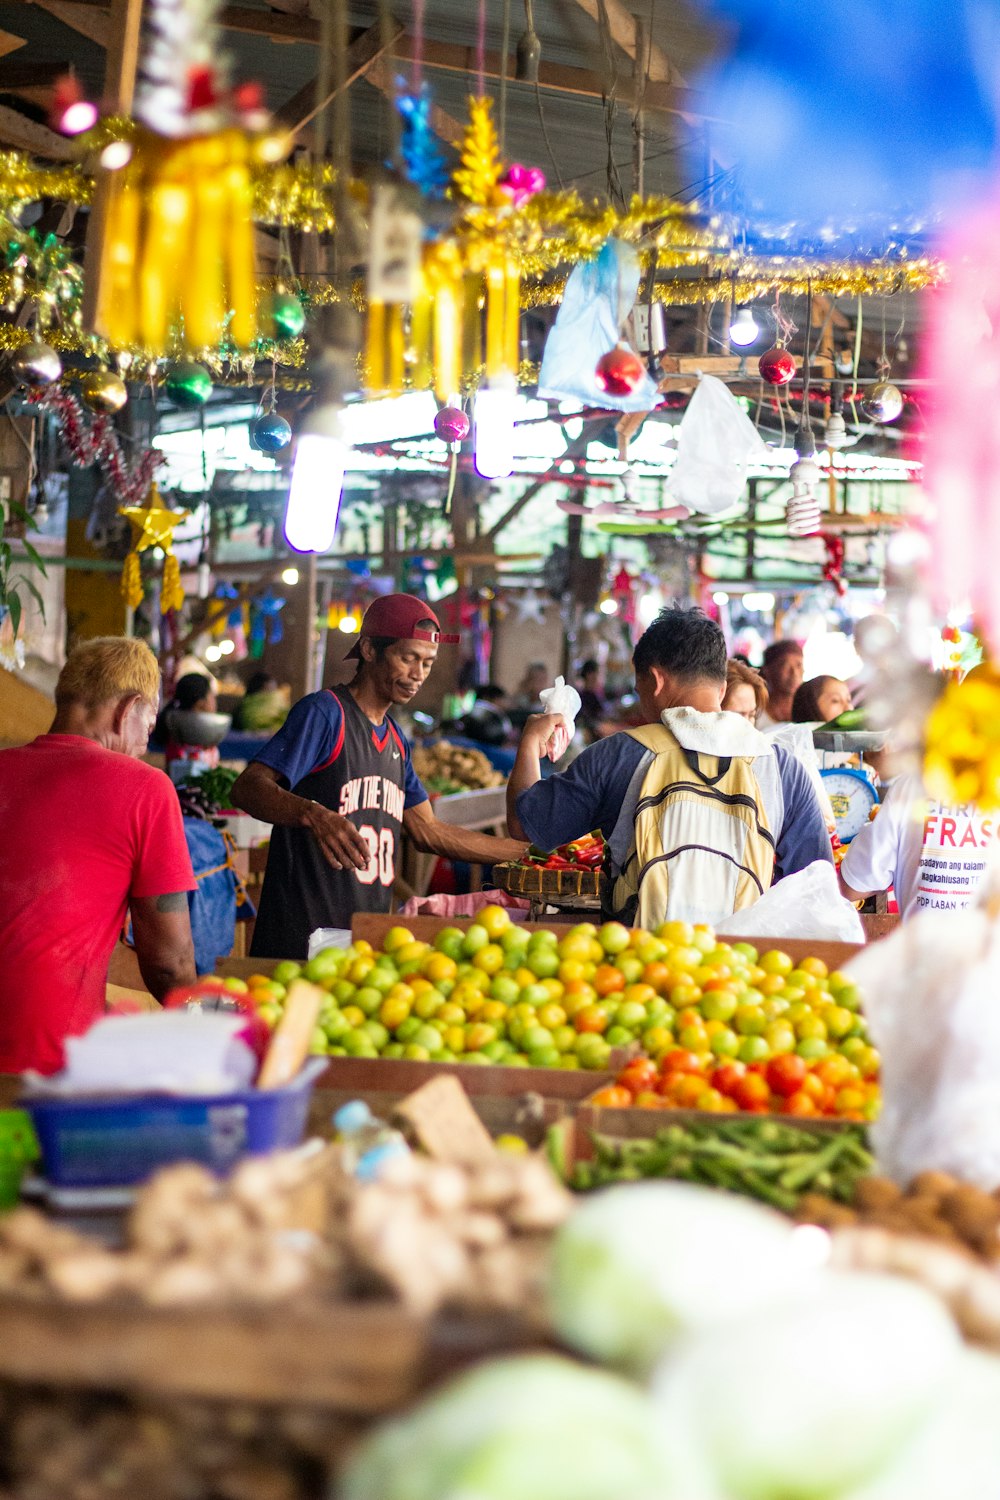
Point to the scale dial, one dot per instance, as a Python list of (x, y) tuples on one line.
[(852, 797)]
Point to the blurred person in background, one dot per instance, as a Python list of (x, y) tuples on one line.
[(193, 693), (106, 838), (746, 691), (487, 722), (819, 700), (782, 671)]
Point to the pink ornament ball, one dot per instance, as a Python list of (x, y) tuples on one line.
[(451, 424)]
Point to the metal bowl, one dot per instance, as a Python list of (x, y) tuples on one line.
[(192, 727)]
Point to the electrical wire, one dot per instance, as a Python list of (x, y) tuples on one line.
[(504, 50)]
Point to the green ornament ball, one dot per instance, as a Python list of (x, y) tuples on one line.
[(287, 315), (188, 384)]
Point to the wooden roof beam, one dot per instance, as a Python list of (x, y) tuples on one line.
[(362, 54), (558, 78), (621, 24)]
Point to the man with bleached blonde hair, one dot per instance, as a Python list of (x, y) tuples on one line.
[(88, 831)]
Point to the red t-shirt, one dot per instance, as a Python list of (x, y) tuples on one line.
[(81, 830)]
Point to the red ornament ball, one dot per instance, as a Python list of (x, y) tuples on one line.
[(776, 366), (451, 424), (619, 371)]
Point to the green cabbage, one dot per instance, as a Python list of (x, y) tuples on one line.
[(955, 1456), (531, 1428), (639, 1264), (803, 1400)]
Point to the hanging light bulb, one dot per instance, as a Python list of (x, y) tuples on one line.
[(494, 427), (802, 512), (317, 486), (743, 329), (529, 49)]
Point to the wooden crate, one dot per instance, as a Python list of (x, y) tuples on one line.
[(520, 1100), (362, 1359)]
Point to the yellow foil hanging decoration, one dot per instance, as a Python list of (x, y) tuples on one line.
[(170, 253), (153, 525), (962, 741)]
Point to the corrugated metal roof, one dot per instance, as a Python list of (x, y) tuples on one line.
[(570, 38)]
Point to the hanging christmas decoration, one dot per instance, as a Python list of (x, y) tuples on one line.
[(103, 391), (962, 741), (883, 402), (285, 313), (521, 183), (619, 371), (36, 365), (776, 366), (153, 525), (172, 252), (188, 384), (530, 607), (423, 161), (833, 568), (265, 622), (129, 483), (451, 424), (270, 432)]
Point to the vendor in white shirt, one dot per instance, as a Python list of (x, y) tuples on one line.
[(933, 854)]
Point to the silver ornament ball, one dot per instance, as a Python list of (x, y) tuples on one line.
[(883, 403), (36, 365)]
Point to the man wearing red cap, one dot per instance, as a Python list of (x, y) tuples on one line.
[(337, 783)]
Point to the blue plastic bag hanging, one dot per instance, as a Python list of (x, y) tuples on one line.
[(715, 444), (598, 298)]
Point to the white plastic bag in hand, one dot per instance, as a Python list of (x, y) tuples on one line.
[(715, 444), (805, 905), (929, 993), (562, 698)]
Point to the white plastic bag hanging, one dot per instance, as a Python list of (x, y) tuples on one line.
[(716, 441), (599, 296), (561, 698), (929, 993)]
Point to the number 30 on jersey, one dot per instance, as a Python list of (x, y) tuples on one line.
[(382, 844)]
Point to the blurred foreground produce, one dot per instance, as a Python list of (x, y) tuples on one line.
[(936, 1206), (537, 1428), (427, 1233)]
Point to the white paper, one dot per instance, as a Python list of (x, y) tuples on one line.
[(169, 1051)]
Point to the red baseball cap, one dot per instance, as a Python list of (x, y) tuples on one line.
[(396, 617)]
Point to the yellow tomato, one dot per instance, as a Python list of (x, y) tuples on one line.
[(396, 937), (490, 960), (496, 920), (439, 968)]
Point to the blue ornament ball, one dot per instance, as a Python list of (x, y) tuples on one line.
[(270, 433)]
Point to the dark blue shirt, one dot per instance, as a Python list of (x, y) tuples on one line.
[(591, 793), (309, 735)]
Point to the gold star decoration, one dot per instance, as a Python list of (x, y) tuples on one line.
[(152, 525)]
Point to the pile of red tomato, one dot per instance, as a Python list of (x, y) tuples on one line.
[(786, 1084)]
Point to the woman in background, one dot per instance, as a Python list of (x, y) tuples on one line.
[(746, 692), (193, 693), (819, 700)]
